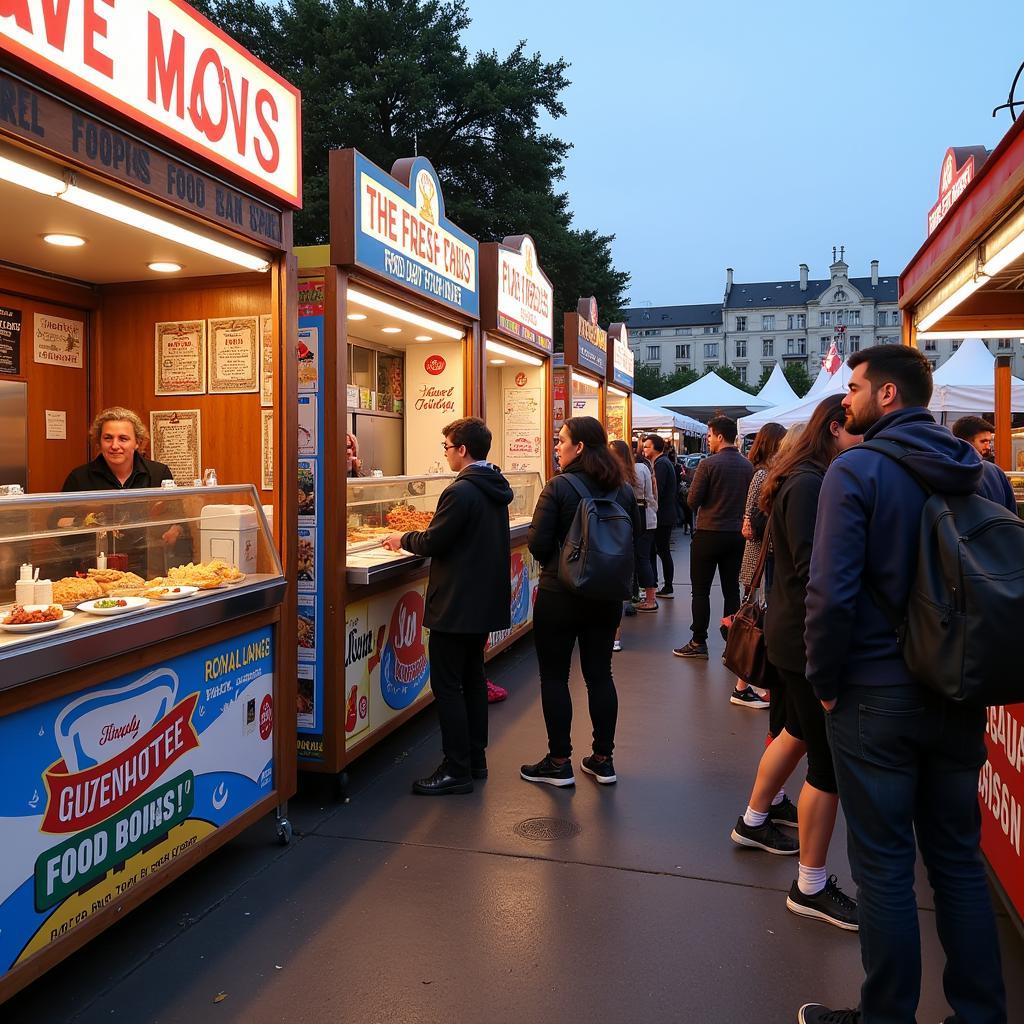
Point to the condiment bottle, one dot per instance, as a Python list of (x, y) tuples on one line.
[(24, 589), (43, 592), (101, 560)]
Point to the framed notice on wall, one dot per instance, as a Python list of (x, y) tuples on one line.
[(177, 442), (10, 340), (234, 355), (267, 360), (58, 342), (180, 358), (267, 448)]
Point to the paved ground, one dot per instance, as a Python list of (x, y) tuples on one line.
[(414, 911)]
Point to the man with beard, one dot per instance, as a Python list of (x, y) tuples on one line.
[(906, 759)]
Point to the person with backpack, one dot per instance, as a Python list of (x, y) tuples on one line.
[(582, 536), (907, 759)]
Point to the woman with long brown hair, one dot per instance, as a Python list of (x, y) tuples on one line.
[(561, 619), (762, 452), (638, 476), (789, 498)]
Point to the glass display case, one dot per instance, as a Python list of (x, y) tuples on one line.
[(1017, 483), (378, 506), (92, 562)]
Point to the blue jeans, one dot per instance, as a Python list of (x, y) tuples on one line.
[(907, 762)]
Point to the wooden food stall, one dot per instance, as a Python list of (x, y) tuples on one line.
[(966, 281), (517, 322), (145, 263), (583, 366), (396, 302), (618, 392)]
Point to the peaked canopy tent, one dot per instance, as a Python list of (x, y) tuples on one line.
[(965, 384), (799, 411), (648, 416), (820, 383), (711, 396), (777, 389)]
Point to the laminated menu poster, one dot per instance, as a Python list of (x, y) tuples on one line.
[(307, 627), (267, 449), (234, 355), (307, 425), (266, 360), (305, 706), (180, 358), (58, 341), (10, 340), (176, 439), (109, 786), (307, 352), (307, 492), (523, 424), (306, 560)]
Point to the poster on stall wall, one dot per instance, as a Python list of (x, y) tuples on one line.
[(267, 449), (385, 656), (523, 419), (307, 492), (266, 360), (308, 358), (10, 340), (560, 393), (234, 355), (305, 562), (525, 574), (176, 441), (311, 297), (180, 358), (58, 342), (1001, 793), (305, 707), (307, 425), (307, 628), (106, 787), (434, 397)]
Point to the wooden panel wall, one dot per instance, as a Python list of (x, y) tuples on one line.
[(51, 387), (124, 363)]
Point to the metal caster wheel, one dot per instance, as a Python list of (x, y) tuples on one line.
[(284, 831)]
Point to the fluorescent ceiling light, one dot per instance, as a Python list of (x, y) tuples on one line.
[(392, 330), (512, 353), (66, 241), (165, 267), (1010, 332), (580, 379), (423, 337), (370, 302), (27, 177), (1002, 259), (616, 391), (962, 293), (357, 316)]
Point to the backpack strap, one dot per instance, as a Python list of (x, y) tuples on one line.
[(582, 491)]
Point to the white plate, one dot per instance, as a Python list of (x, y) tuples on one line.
[(131, 604), (35, 627), (182, 593)]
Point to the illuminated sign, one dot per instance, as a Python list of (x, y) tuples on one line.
[(621, 359), (958, 169), (525, 297)]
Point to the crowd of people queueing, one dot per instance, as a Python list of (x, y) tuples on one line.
[(841, 523)]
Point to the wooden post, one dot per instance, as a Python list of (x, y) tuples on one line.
[(1003, 412)]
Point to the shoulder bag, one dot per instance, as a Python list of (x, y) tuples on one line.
[(744, 647)]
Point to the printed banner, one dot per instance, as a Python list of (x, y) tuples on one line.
[(180, 358), (235, 355), (1001, 792), (525, 572), (58, 342), (106, 787)]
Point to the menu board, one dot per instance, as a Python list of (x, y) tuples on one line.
[(267, 360), (59, 342), (10, 340), (523, 427), (180, 358), (234, 355), (307, 351), (177, 442)]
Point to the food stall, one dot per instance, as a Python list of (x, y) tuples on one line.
[(584, 364), (517, 324), (147, 635), (965, 281), (618, 405), (390, 312)]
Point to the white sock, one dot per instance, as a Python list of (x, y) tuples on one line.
[(811, 880), (778, 798), (755, 819)]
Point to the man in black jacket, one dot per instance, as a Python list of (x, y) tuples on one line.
[(468, 596), (666, 488)]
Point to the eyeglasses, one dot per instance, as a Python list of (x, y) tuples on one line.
[(446, 446)]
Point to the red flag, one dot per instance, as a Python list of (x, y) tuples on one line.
[(832, 362)]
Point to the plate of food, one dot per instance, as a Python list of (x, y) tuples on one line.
[(34, 618), (171, 593), (113, 605)]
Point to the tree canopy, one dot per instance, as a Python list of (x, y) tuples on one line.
[(392, 79)]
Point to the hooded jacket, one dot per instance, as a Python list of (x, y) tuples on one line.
[(869, 516), (470, 586)]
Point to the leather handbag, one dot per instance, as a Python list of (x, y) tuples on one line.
[(744, 646)]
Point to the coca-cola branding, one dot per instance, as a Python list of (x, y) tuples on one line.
[(434, 365)]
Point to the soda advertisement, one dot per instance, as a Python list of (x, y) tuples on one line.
[(525, 574), (106, 787), (386, 666), (1001, 793)]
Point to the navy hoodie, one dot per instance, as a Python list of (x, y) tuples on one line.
[(869, 516)]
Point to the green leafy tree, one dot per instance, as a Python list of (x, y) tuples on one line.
[(798, 377), (765, 374), (392, 78), (649, 382), (732, 375)]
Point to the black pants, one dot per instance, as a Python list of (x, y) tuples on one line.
[(662, 547), (560, 620), (714, 550), (644, 548), (460, 692)]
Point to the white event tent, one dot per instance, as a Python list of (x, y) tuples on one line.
[(710, 396), (964, 385), (799, 411), (648, 416), (777, 390), (820, 383)]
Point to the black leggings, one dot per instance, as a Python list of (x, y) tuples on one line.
[(644, 570), (663, 546), (560, 619)]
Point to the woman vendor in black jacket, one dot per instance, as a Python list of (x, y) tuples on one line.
[(561, 618)]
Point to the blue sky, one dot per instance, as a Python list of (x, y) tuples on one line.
[(757, 135)]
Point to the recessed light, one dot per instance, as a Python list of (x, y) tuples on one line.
[(67, 241), (497, 362), (164, 267), (424, 337), (357, 316), (391, 330)]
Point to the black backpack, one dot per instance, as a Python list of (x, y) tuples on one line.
[(597, 559), (963, 620)]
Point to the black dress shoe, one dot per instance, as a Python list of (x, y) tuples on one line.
[(441, 783)]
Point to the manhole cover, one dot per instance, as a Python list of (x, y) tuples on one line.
[(547, 829)]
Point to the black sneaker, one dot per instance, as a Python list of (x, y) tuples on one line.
[(765, 837), (748, 698), (815, 1013), (831, 905), (666, 592), (547, 771), (603, 771), (693, 649), (784, 813)]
